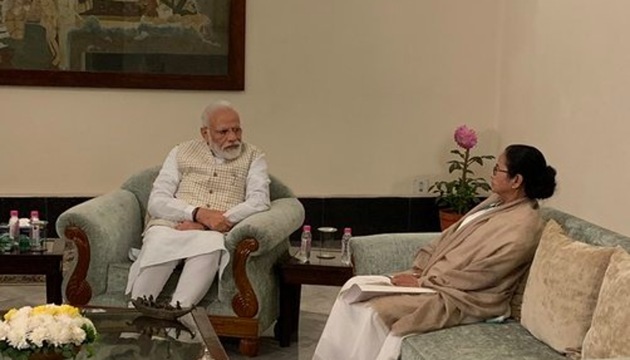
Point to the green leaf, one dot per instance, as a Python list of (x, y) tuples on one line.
[(461, 194)]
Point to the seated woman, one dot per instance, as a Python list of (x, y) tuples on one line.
[(474, 267)]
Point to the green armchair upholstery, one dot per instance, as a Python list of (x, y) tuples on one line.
[(246, 302), (386, 253)]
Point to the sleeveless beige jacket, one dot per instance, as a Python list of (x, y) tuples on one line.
[(207, 183)]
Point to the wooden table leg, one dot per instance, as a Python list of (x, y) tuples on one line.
[(289, 320), (53, 284)]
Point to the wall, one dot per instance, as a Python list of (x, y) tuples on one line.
[(564, 87), (357, 97), (352, 97)]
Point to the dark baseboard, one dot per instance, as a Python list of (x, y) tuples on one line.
[(365, 215), (373, 215)]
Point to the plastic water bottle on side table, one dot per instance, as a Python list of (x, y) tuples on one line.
[(35, 231), (14, 228), (305, 244), (345, 246)]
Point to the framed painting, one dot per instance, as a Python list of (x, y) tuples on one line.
[(152, 44)]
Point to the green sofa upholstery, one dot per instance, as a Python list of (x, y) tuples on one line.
[(244, 305), (386, 253)]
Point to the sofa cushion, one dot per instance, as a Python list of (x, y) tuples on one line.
[(562, 289), (609, 332), (482, 341)]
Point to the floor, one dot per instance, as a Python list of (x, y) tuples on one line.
[(316, 304)]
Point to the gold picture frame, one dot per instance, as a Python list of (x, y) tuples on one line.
[(152, 44)]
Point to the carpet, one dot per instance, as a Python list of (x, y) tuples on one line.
[(13, 280)]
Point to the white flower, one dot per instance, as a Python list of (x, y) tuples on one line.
[(18, 332), (47, 325), (4, 330), (78, 335), (39, 335)]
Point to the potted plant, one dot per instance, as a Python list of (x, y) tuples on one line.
[(45, 332), (458, 196)]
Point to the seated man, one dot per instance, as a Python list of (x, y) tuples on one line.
[(474, 268), (205, 186)]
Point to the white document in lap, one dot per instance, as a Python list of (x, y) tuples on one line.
[(363, 292)]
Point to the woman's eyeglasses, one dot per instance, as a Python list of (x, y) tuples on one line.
[(496, 169)]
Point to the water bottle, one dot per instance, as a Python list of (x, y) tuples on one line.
[(14, 225), (35, 230), (345, 246), (305, 244)]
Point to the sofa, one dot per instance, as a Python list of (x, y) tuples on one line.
[(243, 305), (570, 298)]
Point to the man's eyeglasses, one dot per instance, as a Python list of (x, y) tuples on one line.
[(496, 169)]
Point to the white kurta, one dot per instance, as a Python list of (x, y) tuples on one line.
[(355, 331), (162, 244)]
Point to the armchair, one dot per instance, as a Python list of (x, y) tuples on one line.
[(244, 305)]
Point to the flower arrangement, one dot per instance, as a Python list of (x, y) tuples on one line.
[(461, 194), (31, 331)]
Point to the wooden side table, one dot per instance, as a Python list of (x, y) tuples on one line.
[(48, 263), (293, 274)]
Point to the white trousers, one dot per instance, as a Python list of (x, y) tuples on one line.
[(195, 281), (355, 331)]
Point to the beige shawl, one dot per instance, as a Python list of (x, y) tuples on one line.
[(474, 269)]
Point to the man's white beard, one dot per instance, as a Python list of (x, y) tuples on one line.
[(229, 153)]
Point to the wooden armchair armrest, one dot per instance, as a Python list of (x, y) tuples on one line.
[(259, 235), (106, 227)]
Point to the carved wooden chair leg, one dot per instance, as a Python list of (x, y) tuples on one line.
[(249, 346), (245, 303)]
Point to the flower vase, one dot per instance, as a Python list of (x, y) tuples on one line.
[(48, 355), (448, 218), (52, 355)]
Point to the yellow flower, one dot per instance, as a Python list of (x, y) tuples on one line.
[(68, 310), (41, 310), (55, 310), (9, 315)]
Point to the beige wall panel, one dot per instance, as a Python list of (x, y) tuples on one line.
[(349, 97), (565, 88)]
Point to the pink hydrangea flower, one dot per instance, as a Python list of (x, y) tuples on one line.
[(465, 137)]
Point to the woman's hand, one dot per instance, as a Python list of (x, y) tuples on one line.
[(409, 280)]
